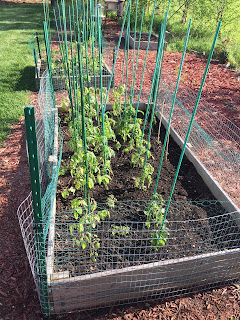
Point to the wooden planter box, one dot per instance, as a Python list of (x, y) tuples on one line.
[(59, 79), (68, 293), (153, 45)]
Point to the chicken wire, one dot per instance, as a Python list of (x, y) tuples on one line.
[(61, 82), (214, 139), (49, 140), (200, 253)]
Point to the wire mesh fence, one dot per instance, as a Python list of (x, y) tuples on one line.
[(129, 264), (214, 139)]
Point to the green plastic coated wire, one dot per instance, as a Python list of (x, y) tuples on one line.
[(128, 36), (83, 126), (114, 64), (100, 60), (135, 74), (191, 122), (155, 76), (134, 45), (172, 108), (144, 65)]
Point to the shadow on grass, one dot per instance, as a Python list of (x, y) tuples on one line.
[(26, 80)]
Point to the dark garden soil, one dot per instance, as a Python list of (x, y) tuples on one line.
[(144, 37), (189, 186), (18, 298)]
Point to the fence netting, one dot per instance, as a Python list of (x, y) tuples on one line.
[(49, 142), (214, 139)]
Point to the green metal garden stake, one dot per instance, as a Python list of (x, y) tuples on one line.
[(30, 126), (191, 122), (113, 68), (155, 77), (38, 45), (172, 108), (101, 91), (83, 126)]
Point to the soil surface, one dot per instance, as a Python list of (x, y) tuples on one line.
[(189, 186), (18, 299)]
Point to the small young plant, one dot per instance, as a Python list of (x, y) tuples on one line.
[(154, 220), (119, 230), (87, 219), (146, 176)]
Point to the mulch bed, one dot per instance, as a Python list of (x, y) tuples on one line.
[(18, 299)]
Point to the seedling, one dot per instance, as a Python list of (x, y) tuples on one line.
[(154, 220)]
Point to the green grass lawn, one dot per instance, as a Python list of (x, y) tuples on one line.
[(17, 23)]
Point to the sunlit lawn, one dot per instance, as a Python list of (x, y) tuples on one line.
[(17, 23)]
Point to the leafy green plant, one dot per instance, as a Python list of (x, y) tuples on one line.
[(87, 219), (146, 177), (119, 230), (154, 221)]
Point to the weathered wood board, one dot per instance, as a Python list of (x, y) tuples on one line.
[(128, 284)]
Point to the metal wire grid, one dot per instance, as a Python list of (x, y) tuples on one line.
[(25, 218), (45, 117), (209, 234), (214, 139), (61, 82), (198, 252)]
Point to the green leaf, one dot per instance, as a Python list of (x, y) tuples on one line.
[(83, 244), (76, 215), (72, 190), (65, 194), (71, 228), (97, 245), (75, 203), (90, 183), (80, 227)]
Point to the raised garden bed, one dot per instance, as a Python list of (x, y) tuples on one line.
[(202, 248), (153, 44), (59, 79)]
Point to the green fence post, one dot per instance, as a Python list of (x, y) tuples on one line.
[(38, 45), (30, 126)]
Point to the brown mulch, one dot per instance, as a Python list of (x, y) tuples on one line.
[(18, 299)]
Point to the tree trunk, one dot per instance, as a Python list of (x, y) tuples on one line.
[(185, 11)]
